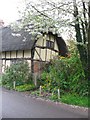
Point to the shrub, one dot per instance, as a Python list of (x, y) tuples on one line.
[(18, 72), (66, 74)]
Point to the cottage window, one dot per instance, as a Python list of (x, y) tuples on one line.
[(50, 44)]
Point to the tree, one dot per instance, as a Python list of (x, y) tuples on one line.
[(58, 17), (81, 36), (84, 37)]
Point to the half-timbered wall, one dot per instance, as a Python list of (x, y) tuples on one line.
[(8, 57), (41, 50), (42, 53)]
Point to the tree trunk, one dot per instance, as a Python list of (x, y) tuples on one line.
[(84, 15), (89, 41), (82, 50)]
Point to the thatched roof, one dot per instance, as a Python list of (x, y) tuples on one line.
[(62, 46), (16, 41)]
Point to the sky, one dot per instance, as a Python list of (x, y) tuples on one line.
[(9, 10)]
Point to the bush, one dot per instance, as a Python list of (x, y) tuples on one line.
[(66, 74), (19, 72)]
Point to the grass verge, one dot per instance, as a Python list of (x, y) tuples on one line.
[(75, 100), (71, 99)]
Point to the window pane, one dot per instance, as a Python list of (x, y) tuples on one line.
[(49, 44), (52, 45)]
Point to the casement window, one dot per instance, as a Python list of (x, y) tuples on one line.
[(50, 44)]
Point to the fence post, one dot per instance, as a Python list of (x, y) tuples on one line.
[(14, 85), (52, 93), (58, 93), (40, 90)]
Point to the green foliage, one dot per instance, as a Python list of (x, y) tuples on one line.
[(0, 80), (74, 99), (25, 87), (35, 93), (19, 72), (66, 74), (54, 97)]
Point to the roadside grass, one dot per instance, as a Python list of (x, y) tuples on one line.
[(75, 100), (71, 99)]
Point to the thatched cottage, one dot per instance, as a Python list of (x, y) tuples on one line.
[(36, 50)]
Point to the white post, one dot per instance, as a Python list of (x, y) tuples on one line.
[(52, 93), (58, 94), (40, 89), (14, 84)]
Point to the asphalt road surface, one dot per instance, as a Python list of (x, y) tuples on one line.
[(18, 105)]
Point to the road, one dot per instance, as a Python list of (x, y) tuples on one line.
[(18, 105), (0, 103)]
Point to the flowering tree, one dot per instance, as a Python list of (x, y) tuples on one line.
[(61, 16)]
